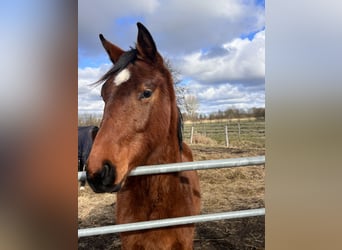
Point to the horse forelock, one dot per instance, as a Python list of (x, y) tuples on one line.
[(119, 67)]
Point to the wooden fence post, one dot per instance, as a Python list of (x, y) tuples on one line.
[(192, 134), (227, 138)]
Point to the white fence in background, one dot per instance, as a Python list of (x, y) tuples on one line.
[(226, 133)]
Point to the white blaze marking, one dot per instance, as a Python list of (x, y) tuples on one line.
[(122, 77)]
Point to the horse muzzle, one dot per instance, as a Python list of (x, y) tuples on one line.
[(103, 180)]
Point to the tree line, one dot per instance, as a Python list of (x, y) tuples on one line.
[(230, 113)]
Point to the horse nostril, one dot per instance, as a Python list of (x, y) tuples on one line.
[(108, 174), (105, 171)]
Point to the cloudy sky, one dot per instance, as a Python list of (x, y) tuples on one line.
[(218, 47)]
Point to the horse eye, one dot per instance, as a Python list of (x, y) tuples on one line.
[(146, 94)]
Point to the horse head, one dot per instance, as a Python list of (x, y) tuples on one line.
[(139, 123)]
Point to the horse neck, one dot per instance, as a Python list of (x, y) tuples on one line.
[(149, 197), (152, 188), (169, 151)]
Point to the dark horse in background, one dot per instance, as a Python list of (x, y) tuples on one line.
[(141, 125), (86, 136)]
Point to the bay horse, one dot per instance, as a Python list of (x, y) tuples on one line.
[(141, 125)]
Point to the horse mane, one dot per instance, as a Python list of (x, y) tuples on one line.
[(180, 128)]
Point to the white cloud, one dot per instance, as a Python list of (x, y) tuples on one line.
[(242, 60), (89, 96), (224, 96), (220, 92)]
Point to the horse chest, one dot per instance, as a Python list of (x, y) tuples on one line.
[(137, 203)]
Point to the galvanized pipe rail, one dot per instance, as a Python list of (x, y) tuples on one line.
[(194, 165), (176, 167), (169, 222)]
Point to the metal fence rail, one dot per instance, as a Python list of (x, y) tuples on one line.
[(169, 222), (194, 165), (176, 167)]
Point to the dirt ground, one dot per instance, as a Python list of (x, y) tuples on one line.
[(222, 190)]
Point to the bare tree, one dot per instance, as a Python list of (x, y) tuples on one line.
[(181, 91), (191, 106)]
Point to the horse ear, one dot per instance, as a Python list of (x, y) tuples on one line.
[(113, 51), (145, 44)]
